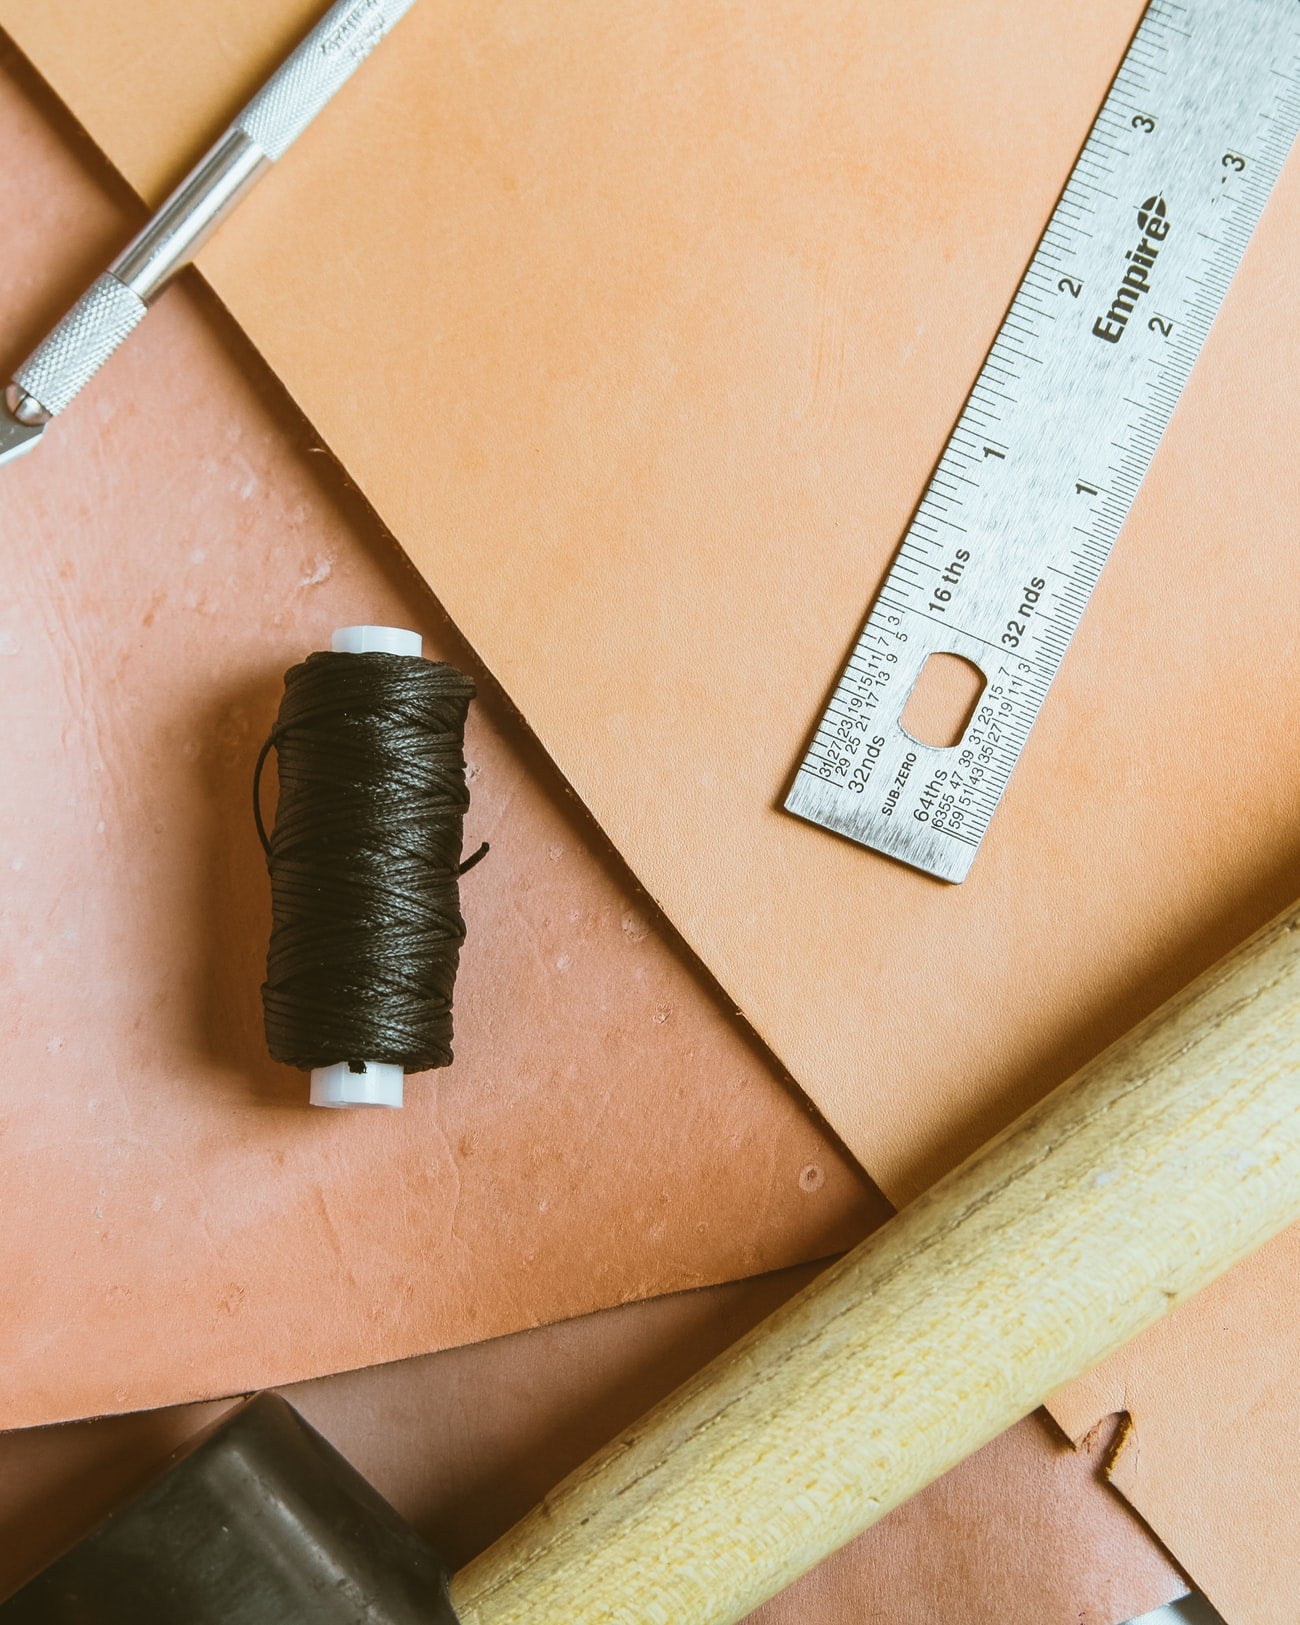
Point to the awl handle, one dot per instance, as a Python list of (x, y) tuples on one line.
[(64, 362)]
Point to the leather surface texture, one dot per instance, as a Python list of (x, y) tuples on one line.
[(642, 329), (178, 1222)]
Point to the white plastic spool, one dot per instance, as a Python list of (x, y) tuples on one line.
[(380, 1084)]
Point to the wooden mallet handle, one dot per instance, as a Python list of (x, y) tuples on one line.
[(1162, 1163)]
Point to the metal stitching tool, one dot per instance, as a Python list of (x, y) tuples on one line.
[(1060, 427), (64, 362)]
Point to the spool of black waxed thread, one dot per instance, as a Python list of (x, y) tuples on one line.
[(365, 864)]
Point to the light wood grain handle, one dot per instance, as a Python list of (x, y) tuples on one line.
[(1153, 1170)]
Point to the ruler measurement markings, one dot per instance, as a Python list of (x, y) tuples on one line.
[(1017, 341), (1018, 679)]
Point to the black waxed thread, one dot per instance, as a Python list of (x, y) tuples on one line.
[(365, 861)]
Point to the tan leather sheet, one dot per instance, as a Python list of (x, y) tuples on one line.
[(177, 1221), (1213, 1459), (463, 1443), (642, 328)]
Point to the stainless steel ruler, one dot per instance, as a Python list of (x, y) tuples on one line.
[(1061, 425)]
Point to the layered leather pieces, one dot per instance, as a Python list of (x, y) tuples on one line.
[(463, 1443), (179, 1222), (642, 329)]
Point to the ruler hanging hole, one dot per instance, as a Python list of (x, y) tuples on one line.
[(943, 700)]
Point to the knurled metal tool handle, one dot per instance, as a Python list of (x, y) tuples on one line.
[(64, 362)]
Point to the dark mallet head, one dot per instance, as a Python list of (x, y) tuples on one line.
[(259, 1522)]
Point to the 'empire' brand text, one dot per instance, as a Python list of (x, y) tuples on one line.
[(1153, 219)]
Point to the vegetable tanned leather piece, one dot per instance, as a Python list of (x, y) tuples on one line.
[(178, 1222), (643, 327)]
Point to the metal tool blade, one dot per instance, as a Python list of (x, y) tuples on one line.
[(16, 437)]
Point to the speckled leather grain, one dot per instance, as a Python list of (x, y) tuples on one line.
[(178, 1222)]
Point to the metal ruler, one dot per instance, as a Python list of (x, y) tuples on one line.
[(1061, 425)]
